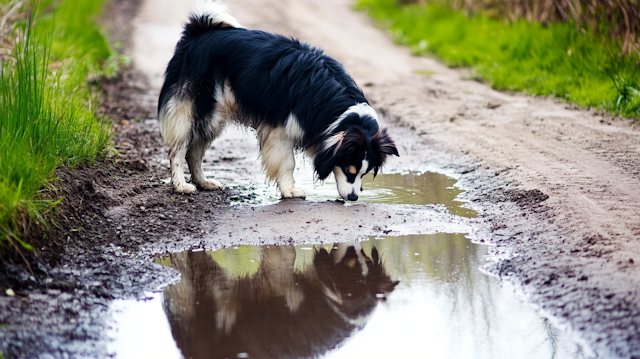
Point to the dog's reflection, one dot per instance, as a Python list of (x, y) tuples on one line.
[(278, 312)]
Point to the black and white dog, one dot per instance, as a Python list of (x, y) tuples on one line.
[(291, 93)]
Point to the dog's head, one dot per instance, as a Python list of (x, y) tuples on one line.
[(353, 146)]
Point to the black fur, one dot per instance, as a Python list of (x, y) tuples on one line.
[(273, 76)]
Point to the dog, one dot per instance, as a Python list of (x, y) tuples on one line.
[(293, 95)]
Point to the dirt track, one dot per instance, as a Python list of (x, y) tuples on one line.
[(575, 257)]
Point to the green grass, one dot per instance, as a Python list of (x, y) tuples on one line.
[(46, 107), (560, 60)]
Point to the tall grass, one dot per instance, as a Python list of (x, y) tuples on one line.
[(560, 59), (46, 114)]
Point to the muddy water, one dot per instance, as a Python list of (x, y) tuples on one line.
[(394, 188), (410, 296), (234, 161), (403, 188)]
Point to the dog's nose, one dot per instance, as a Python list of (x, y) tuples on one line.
[(352, 197)]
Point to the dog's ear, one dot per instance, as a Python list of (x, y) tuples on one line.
[(383, 146), (340, 144), (324, 160)]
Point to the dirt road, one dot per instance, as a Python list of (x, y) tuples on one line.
[(555, 188), (576, 256)]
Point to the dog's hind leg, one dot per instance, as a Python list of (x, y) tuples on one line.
[(194, 159), (276, 150), (175, 127), (176, 157), (210, 119)]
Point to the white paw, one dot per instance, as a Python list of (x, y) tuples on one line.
[(293, 193), (184, 187), (210, 185)]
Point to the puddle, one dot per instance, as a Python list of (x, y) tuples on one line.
[(395, 188), (418, 188), (411, 296), (403, 188), (235, 163)]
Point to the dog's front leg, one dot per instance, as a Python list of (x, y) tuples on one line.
[(276, 150), (285, 180)]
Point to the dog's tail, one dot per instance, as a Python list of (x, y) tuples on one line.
[(211, 14)]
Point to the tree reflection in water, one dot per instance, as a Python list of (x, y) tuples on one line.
[(278, 311)]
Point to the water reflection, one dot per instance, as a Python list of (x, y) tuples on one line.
[(345, 301), (277, 311)]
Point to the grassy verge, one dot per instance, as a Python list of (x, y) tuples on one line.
[(46, 105), (560, 60)]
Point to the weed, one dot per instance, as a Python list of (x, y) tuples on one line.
[(46, 115)]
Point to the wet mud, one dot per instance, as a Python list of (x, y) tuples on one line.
[(558, 230)]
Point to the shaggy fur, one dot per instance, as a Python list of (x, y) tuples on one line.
[(291, 93)]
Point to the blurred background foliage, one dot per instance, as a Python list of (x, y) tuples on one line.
[(586, 52), (617, 19)]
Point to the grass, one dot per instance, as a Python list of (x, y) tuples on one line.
[(560, 60), (47, 107)]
